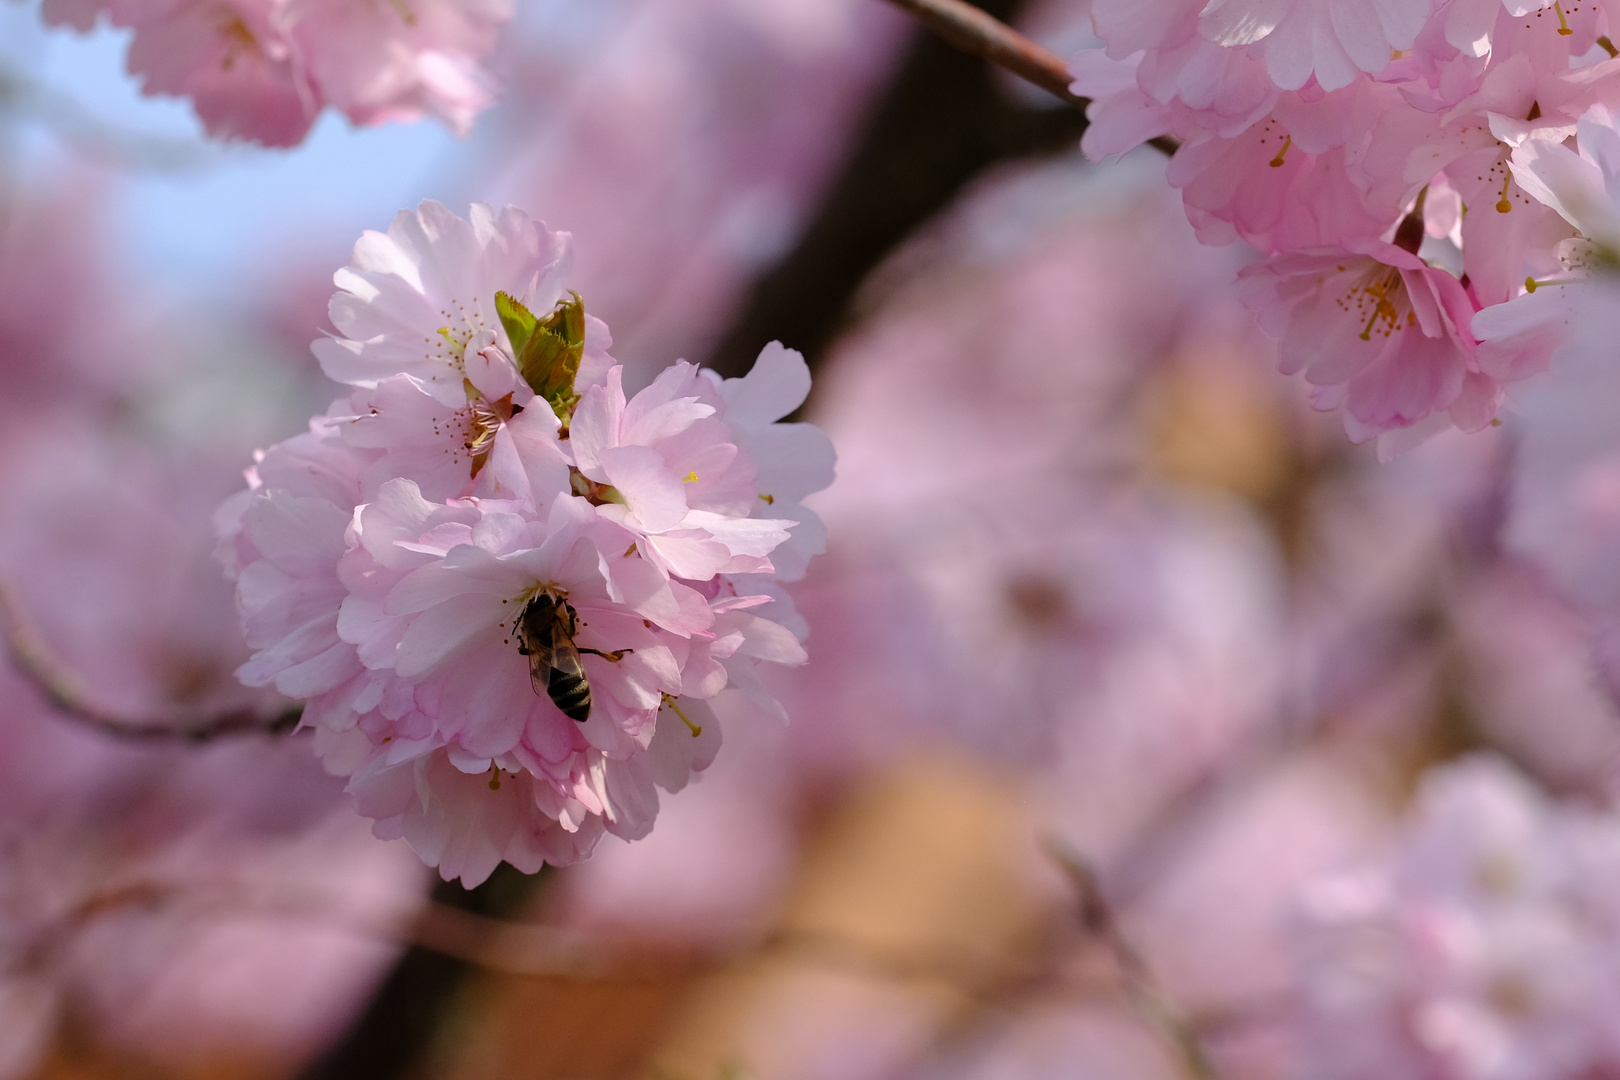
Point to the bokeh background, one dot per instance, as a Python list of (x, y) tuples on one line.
[(1122, 658)]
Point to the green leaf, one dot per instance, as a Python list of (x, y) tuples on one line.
[(518, 320), (550, 356)]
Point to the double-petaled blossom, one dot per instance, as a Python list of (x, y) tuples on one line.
[(507, 590), (1311, 129), (263, 69), (1483, 947), (1381, 335)]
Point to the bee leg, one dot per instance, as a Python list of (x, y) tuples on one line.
[(615, 656)]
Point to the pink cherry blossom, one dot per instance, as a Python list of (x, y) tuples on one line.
[(1482, 947), (399, 60), (1581, 184), (389, 562), (263, 69), (1378, 333), (231, 60), (414, 299), (682, 485), (1334, 41)]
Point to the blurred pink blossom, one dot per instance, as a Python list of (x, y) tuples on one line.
[(1482, 947), (262, 70)]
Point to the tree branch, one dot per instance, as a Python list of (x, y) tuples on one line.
[(1097, 918), (977, 32), (32, 659)]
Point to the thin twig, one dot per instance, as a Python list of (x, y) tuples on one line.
[(975, 31), (1097, 918), (32, 659)]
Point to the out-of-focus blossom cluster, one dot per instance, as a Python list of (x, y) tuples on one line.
[(509, 590), (183, 906), (1210, 644), (1402, 168), (1483, 948), (686, 146), (263, 70)]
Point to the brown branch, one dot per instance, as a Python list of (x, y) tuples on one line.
[(977, 32), (32, 659), (1097, 918)]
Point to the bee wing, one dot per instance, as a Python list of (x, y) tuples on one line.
[(537, 630), (566, 667)]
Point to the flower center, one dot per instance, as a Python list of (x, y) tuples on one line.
[(449, 343), (1378, 300)]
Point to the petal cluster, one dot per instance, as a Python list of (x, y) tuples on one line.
[(1484, 946), (512, 594), (1462, 145), (262, 70)]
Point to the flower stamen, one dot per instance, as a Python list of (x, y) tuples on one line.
[(1276, 162), (694, 728)]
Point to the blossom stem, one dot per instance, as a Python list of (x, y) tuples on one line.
[(975, 31), (1097, 918), (32, 659)]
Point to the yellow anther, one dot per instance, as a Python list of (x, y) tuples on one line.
[(690, 478), (676, 709), (1276, 162), (769, 501), (1504, 206), (1563, 23), (629, 551)]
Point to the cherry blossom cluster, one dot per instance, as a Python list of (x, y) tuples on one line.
[(513, 594), (1486, 947), (263, 69), (1410, 172)]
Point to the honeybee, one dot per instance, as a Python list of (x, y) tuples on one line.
[(546, 630)]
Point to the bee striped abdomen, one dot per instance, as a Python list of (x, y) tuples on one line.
[(546, 636), (570, 692)]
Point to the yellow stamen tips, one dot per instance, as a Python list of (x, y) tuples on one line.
[(1504, 206), (690, 477), (239, 38), (459, 346), (1608, 46), (629, 551), (1366, 331), (1530, 284), (1276, 162), (676, 709), (1381, 293), (1496, 421), (1563, 23), (494, 778), (769, 500)]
